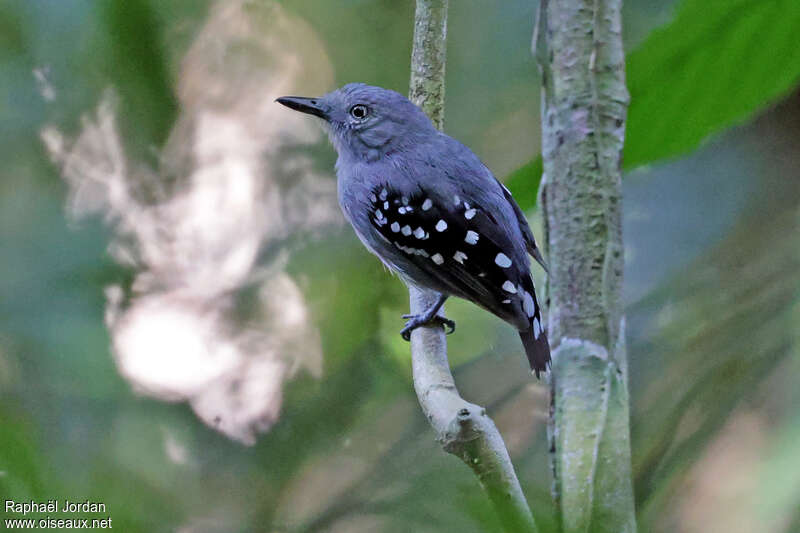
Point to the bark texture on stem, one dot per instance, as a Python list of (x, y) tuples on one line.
[(464, 429), (584, 103)]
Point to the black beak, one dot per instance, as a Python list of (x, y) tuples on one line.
[(312, 106)]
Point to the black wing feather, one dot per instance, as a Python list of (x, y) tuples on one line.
[(463, 250), (455, 243)]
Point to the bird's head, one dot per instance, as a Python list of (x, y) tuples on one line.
[(366, 122)]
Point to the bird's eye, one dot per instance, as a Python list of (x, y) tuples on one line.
[(359, 111)]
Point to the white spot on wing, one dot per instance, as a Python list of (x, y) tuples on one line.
[(460, 256), (441, 226), (412, 251), (469, 213), (509, 287), (502, 260), (471, 238), (528, 304), (401, 210), (373, 198), (404, 199), (427, 204), (384, 194), (386, 205), (437, 258), (456, 199), (419, 233), (507, 301), (406, 230), (395, 227), (537, 328)]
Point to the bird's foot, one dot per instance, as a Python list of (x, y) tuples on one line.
[(415, 321)]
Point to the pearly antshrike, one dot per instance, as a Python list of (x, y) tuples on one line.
[(430, 209)]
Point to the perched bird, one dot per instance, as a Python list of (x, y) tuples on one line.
[(430, 209)]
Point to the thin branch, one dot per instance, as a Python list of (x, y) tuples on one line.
[(463, 428)]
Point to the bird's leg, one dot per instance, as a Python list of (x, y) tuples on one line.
[(428, 317)]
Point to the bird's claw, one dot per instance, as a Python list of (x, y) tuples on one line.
[(415, 321)]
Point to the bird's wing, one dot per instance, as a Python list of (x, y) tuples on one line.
[(462, 245), (530, 241)]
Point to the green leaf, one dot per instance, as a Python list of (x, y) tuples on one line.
[(715, 65), (524, 182)]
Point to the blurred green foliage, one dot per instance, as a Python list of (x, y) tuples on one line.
[(715, 64), (713, 340), (739, 53)]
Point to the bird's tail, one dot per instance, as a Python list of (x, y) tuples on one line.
[(534, 339)]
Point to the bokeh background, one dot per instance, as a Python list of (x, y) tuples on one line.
[(191, 334)]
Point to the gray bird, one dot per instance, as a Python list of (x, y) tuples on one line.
[(430, 209)]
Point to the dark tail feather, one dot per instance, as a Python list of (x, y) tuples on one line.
[(537, 349)]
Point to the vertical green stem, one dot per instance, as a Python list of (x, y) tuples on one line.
[(584, 105), (428, 59)]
